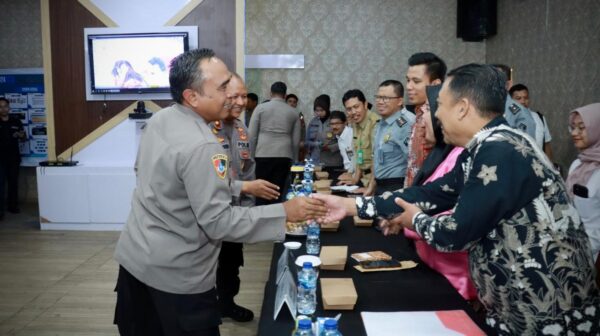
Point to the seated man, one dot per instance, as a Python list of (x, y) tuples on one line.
[(529, 255)]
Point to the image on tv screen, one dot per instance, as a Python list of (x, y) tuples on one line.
[(121, 63)]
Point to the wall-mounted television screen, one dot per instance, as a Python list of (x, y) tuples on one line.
[(133, 65)]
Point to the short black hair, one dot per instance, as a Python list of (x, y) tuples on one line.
[(279, 88), (398, 87), (185, 72), (517, 87), (291, 95), (435, 67), (5, 100), (484, 85), (338, 115), (506, 70), (252, 96), (354, 93)]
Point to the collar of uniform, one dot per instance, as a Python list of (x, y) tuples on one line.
[(391, 119), (278, 99), (188, 111)]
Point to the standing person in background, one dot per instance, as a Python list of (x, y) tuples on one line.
[(363, 124), (250, 106), (11, 132), (583, 182), (520, 94), (292, 100), (274, 139), (321, 143), (390, 141), (424, 69), (343, 133), (233, 136), (517, 116), (181, 210)]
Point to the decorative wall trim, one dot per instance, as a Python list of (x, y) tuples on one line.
[(240, 33), (98, 13), (183, 12), (47, 61), (107, 126)]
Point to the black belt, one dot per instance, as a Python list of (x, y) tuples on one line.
[(388, 181), (366, 171)]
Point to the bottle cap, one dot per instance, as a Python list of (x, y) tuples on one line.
[(304, 324), (330, 324), (307, 264)]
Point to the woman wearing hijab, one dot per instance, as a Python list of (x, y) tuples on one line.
[(583, 182), (442, 158), (321, 143)]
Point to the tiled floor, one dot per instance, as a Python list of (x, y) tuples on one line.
[(61, 282)]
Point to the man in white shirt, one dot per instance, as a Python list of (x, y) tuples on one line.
[(520, 93), (344, 134)]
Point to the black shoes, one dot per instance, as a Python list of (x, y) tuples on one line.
[(236, 313)]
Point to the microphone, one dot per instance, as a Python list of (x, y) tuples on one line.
[(141, 107)]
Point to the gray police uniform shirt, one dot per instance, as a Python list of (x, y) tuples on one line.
[(181, 207), (274, 130), (234, 139), (391, 144), (322, 143), (519, 117)]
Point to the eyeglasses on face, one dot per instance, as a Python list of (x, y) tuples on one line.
[(384, 99)]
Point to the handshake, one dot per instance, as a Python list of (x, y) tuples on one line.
[(330, 208)]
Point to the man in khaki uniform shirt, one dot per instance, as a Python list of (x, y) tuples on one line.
[(181, 210), (363, 124)]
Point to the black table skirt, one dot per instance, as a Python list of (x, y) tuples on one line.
[(417, 289)]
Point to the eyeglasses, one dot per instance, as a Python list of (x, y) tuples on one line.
[(385, 99), (579, 129)]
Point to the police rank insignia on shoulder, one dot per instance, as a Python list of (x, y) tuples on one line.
[(514, 108), (401, 121), (219, 162)]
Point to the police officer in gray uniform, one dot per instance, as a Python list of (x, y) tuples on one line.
[(390, 140), (517, 116), (181, 210), (233, 136)]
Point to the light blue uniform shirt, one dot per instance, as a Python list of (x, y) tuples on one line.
[(390, 144), (519, 117)]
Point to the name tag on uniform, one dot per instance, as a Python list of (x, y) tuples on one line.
[(243, 144)]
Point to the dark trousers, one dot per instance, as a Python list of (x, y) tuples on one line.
[(276, 171), (9, 175), (144, 311), (228, 271)]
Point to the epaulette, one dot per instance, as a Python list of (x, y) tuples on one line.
[(514, 108)]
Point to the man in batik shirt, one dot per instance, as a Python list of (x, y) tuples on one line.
[(529, 255), (423, 69)]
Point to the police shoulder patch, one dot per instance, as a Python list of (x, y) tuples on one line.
[(219, 162), (514, 108), (401, 121)]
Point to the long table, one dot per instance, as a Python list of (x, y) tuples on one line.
[(417, 289)]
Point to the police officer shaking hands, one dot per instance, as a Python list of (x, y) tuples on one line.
[(181, 210)]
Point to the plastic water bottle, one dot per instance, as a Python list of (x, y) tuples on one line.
[(313, 240), (330, 328), (307, 290), (304, 328)]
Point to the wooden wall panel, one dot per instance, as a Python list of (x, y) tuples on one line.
[(74, 117), (216, 28)]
